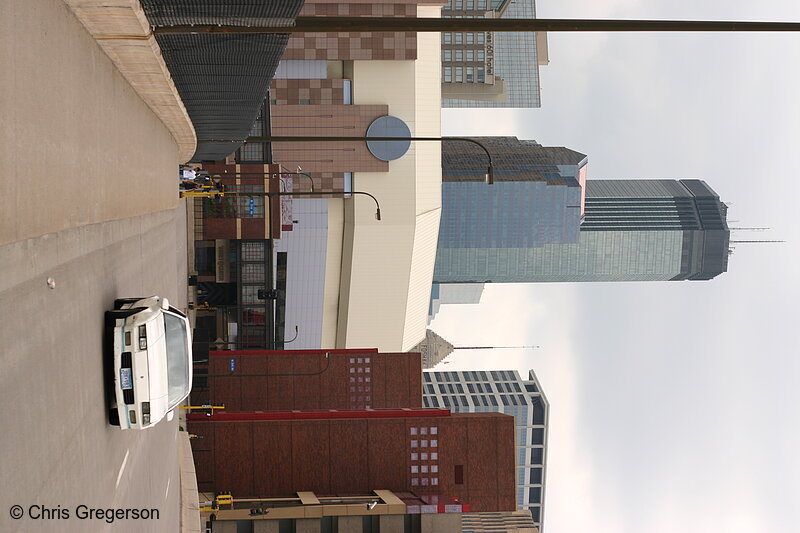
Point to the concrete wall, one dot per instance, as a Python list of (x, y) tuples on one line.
[(74, 135), (393, 258)]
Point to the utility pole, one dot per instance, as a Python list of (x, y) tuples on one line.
[(410, 24)]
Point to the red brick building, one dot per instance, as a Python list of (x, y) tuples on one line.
[(285, 380), (424, 451)]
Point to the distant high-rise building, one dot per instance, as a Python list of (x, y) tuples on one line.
[(633, 230), (492, 69), (453, 293), (536, 199), (502, 391)]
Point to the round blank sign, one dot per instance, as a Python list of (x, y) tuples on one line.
[(388, 126)]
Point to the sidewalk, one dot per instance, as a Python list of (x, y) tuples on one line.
[(190, 502)]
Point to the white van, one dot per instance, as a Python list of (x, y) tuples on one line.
[(150, 344)]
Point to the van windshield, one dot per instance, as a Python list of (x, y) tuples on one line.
[(177, 358)]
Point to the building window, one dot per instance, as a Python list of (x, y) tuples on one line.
[(481, 75), (459, 38), (480, 38), (535, 495), (470, 5), (537, 436), (470, 75), (470, 55), (447, 37), (413, 431), (459, 474), (448, 77), (434, 430), (459, 56), (470, 38), (536, 476), (481, 55), (482, 5), (459, 5), (459, 74), (449, 5), (447, 55), (537, 456)]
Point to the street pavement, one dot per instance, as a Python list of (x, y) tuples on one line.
[(57, 446), (90, 199)]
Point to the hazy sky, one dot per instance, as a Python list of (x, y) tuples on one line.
[(674, 406)]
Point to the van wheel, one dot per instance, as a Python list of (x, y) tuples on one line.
[(119, 302), (117, 314)]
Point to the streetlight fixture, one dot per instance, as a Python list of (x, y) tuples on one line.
[(488, 176), (333, 194), (270, 174), (232, 375)]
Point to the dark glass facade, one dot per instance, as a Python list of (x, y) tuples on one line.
[(634, 230), (535, 200)]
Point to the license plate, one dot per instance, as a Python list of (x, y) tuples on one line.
[(126, 378)]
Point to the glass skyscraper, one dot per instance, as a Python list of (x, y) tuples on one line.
[(536, 199), (633, 230), (502, 391)]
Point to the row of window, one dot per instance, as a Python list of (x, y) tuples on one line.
[(463, 55), (483, 388), (463, 38), (496, 375), (461, 5)]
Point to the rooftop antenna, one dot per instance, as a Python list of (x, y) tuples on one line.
[(495, 347), (739, 242)]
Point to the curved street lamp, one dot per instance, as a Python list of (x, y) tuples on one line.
[(332, 194), (488, 176)]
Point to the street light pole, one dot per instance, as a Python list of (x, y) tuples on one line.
[(333, 194), (410, 24), (266, 174), (489, 176)]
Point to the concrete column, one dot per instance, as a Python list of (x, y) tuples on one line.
[(350, 524), (393, 523), (307, 525)]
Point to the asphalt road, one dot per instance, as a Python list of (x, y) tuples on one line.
[(58, 450), (90, 198)]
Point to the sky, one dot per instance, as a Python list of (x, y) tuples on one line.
[(674, 405)]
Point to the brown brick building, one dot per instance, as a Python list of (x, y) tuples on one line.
[(285, 380), (425, 451)]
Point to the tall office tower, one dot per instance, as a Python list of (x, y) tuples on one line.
[(536, 199), (491, 69), (633, 230), (453, 293), (502, 392)]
